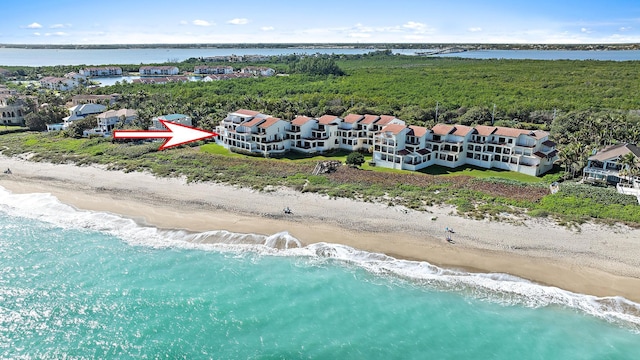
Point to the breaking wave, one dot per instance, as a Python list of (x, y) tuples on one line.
[(495, 287)]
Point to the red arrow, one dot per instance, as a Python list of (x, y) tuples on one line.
[(177, 134)]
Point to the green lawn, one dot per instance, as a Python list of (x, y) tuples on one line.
[(480, 173), (341, 155)]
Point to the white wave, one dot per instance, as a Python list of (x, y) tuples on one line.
[(496, 287)]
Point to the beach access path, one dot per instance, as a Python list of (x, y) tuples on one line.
[(598, 259)]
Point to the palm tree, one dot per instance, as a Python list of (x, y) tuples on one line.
[(629, 165)]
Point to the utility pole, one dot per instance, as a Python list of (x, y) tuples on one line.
[(493, 114)]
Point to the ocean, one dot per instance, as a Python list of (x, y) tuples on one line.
[(81, 285)]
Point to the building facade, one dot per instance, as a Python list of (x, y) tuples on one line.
[(159, 70), (393, 144), (101, 71)]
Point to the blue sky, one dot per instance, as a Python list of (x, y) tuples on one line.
[(277, 21)]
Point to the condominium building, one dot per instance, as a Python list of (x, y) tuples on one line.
[(393, 144), (101, 71)]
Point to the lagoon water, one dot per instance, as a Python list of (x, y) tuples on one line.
[(80, 284), (52, 57)]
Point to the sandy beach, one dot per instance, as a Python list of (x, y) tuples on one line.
[(598, 259)]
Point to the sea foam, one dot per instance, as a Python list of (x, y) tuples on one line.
[(495, 287)]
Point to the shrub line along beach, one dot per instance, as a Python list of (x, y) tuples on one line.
[(595, 259)]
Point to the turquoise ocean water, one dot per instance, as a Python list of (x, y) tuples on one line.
[(78, 284)]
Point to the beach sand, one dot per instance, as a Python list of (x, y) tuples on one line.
[(600, 260)]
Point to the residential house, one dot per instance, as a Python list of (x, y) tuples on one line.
[(58, 83), (94, 99), (258, 71), (158, 70), (608, 166), (605, 165), (109, 119), (204, 69), (79, 78), (176, 118), (101, 71), (13, 107), (79, 112)]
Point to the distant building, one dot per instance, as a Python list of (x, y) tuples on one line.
[(4, 72), (176, 118), (258, 71), (159, 70), (204, 69), (101, 71), (94, 99), (58, 83)]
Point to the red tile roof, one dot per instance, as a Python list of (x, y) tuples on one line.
[(539, 134), (300, 120), (254, 121), (442, 129), (247, 112), (418, 131), (511, 132), (395, 129), (485, 130), (268, 122), (327, 119), (369, 119), (353, 118), (385, 119), (462, 130)]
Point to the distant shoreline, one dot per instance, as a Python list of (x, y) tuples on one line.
[(372, 46)]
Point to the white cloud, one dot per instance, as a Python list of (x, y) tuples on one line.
[(201, 23), (34, 25), (625, 28), (475, 29), (57, 26), (585, 30), (57, 33), (267, 28), (414, 25), (36, 33), (238, 21)]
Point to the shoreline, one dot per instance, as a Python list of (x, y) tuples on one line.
[(599, 260)]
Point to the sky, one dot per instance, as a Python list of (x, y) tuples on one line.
[(319, 21)]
